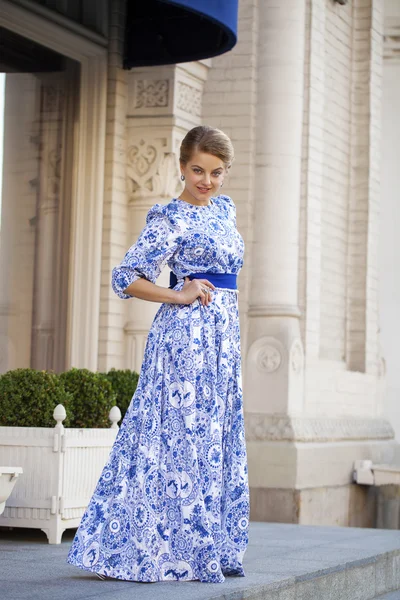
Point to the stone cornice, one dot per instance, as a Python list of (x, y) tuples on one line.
[(262, 427), (284, 310)]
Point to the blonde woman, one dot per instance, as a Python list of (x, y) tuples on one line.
[(172, 502)]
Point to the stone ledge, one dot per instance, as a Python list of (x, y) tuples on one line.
[(283, 562), (264, 427)]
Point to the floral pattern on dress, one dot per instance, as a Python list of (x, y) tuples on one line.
[(172, 502)]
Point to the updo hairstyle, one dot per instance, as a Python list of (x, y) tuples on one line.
[(209, 140)]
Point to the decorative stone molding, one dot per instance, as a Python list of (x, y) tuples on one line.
[(166, 181), (189, 99), (261, 427), (152, 171), (268, 359), (268, 310), (151, 93), (141, 157), (296, 359), (267, 353), (171, 91)]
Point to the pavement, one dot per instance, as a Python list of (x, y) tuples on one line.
[(282, 562)]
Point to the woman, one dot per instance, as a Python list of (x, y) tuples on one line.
[(172, 502)]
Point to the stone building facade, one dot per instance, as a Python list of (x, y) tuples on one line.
[(301, 97)]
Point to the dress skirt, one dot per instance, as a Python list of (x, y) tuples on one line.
[(172, 502)]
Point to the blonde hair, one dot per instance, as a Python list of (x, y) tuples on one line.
[(209, 140)]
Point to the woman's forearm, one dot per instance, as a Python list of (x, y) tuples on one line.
[(146, 290)]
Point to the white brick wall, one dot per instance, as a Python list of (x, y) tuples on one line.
[(339, 207), (389, 251), (362, 318), (372, 350), (335, 178), (338, 187)]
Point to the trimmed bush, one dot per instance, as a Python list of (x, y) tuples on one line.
[(29, 397), (92, 397), (124, 383)]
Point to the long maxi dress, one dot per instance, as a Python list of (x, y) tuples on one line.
[(172, 502)]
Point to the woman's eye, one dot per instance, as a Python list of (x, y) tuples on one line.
[(217, 174)]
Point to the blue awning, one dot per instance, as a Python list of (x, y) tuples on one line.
[(161, 32)]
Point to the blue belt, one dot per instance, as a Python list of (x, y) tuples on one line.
[(222, 280)]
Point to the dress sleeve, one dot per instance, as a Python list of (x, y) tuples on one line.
[(147, 257), (229, 207)]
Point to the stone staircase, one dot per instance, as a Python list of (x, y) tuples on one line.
[(283, 562)]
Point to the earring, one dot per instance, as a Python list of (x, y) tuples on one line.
[(222, 184), (182, 178)]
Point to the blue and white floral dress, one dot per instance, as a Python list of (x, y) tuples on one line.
[(172, 502)]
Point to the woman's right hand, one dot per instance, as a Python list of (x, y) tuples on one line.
[(196, 288)]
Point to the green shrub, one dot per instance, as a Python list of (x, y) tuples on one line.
[(124, 383), (29, 397), (92, 397)]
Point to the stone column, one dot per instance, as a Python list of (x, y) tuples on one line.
[(308, 420), (274, 382), (17, 238), (47, 230), (163, 104)]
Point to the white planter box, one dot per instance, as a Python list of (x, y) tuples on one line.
[(61, 467), (8, 478)]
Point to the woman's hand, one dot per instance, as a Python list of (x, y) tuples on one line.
[(196, 288), (146, 290)]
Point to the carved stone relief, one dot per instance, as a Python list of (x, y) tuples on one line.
[(151, 170), (151, 93), (268, 359), (297, 357), (275, 429), (142, 157), (189, 99)]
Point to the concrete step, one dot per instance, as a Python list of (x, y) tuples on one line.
[(283, 562), (390, 596)]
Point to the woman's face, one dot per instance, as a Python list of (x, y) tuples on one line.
[(204, 175)]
